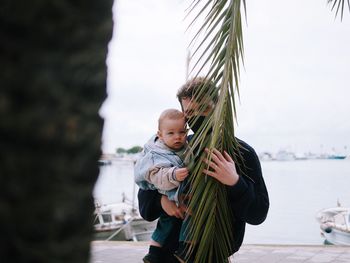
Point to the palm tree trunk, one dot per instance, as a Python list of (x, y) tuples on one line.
[(53, 81)]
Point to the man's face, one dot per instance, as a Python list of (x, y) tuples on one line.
[(192, 108)]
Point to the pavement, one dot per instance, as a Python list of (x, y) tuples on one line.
[(133, 252)]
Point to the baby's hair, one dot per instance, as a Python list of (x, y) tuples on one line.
[(171, 114)]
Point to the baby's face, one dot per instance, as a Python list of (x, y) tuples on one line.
[(173, 133)]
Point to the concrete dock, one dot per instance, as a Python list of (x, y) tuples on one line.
[(133, 252)]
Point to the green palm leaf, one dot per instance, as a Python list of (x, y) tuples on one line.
[(340, 5), (219, 53)]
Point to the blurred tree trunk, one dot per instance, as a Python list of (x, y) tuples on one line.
[(52, 84)]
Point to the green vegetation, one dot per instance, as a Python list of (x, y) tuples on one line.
[(339, 5), (219, 62), (132, 150), (217, 52)]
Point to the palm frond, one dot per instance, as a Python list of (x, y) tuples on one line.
[(219, 54), (340, 5)]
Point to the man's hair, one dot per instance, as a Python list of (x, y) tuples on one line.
[(192, 88), (170, 114)]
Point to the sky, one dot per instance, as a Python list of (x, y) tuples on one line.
[(294, 87)]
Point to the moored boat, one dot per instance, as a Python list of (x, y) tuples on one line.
[(335, 225), (336, 157), (121, 221)]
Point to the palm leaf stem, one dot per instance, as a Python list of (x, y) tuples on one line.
[(210, 222)]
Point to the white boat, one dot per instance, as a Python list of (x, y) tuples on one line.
[(335, 225), (284, 155), (121, 221), (104, 162), (265, 156)]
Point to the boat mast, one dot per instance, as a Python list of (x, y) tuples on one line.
[(188, 59)]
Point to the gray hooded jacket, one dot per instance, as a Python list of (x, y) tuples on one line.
[(155, 168)]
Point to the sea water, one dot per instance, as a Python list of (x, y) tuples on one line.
[(297, 190)]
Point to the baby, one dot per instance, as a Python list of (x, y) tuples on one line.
[(160, 167)]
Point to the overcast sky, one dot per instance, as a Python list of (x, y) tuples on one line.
[(294, 87)]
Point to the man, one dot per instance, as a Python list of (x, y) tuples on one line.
[(247, 193)]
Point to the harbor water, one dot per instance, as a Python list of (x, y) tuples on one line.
[(297, 190)]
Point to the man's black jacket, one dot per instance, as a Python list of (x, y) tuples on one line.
[(248, 199)]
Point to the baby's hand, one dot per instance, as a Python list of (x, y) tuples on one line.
[(181, 174)]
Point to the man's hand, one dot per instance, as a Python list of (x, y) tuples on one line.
[(170, 207), (181, 174), (222, 168)]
